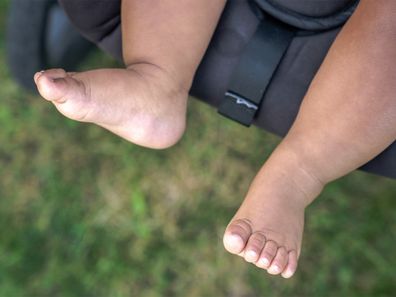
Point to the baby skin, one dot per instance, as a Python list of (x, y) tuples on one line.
[(163, 43), (347, 116)]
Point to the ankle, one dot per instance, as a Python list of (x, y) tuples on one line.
[(163, 124), (291, 166), (162, 76)]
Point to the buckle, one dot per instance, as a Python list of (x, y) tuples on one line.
[(238, 108)]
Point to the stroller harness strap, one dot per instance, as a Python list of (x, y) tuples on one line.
[(259, 60), (255, 69)]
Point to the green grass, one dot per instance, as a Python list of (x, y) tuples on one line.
[(84, 213)]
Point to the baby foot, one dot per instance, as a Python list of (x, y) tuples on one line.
[(142, 104), (267, 229)]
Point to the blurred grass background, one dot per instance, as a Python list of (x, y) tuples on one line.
[(84, 213)]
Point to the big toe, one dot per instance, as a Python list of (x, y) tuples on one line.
[(236, 235), (52, 84), (57, 86), (67, 93), (51, 73)]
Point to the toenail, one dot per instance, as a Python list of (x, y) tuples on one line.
[(275, 269), (38, 74), (251, 255), (287, 274), (235, 239), (233, 242), (264, 262)]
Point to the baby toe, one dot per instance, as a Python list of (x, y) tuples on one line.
[(279, 262), (50, 86), (237, 235), (291, 265), (267, 255), (37, 75), (254, 247), (54, 73)]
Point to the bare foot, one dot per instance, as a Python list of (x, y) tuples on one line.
[(267, 229), (142, 104)]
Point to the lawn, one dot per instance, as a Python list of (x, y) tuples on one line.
[(84, 213)]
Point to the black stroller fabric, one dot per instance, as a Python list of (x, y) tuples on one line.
[(317, 25)]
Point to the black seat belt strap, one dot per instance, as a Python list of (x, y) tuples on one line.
[(255, 69)]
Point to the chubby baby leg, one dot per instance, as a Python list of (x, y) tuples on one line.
[(163, 43), (347, 117)]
